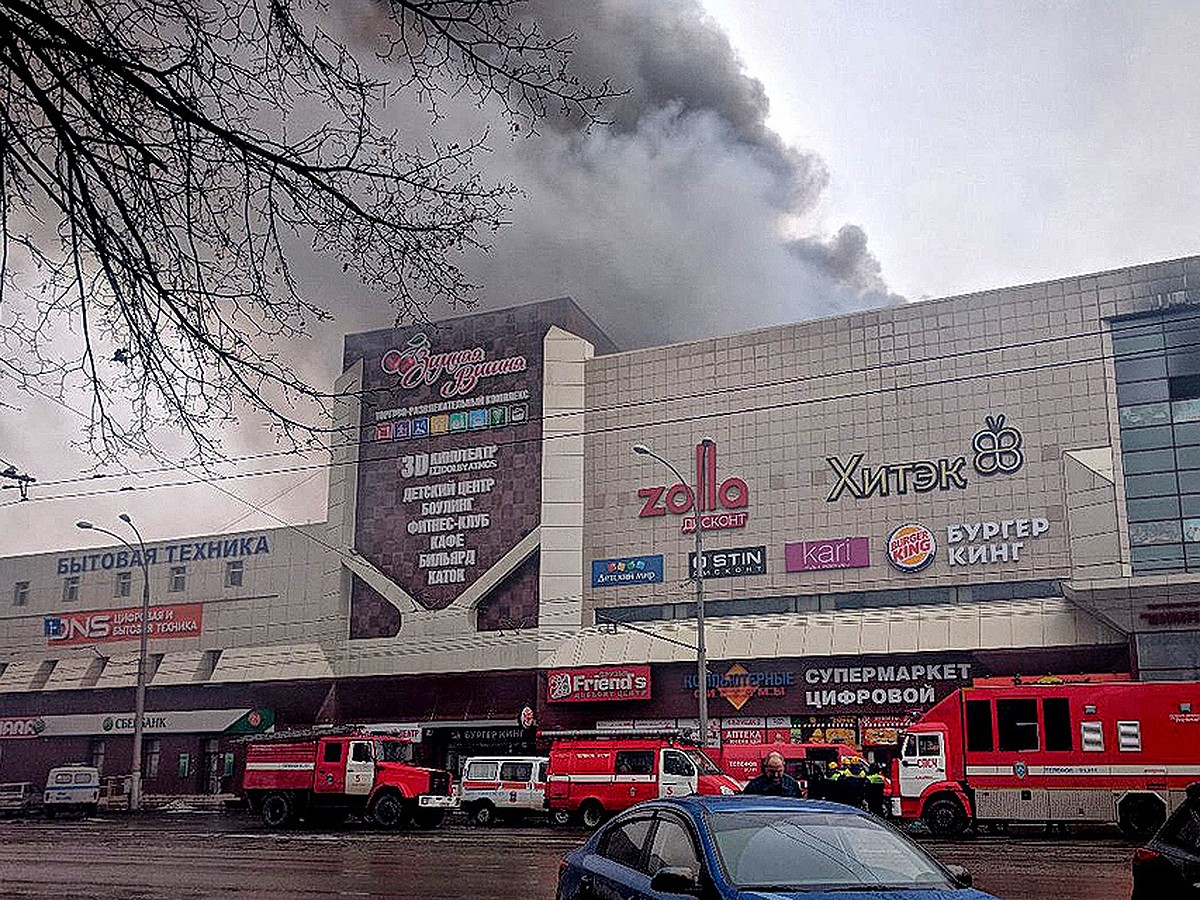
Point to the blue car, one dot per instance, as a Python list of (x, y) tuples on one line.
[(754, 848)]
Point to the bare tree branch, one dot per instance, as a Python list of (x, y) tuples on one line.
[(161, 159)]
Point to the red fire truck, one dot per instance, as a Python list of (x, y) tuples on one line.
[(594, 776), (1049, 753), (325, 775), (804, 762)]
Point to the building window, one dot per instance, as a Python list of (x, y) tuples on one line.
[(153, 750), (20, 593), (96, 754), (70, 588), (1156, 359), (178, 578), (233, 573), (124, 584)]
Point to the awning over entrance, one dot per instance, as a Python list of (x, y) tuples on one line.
[(1010, 624)]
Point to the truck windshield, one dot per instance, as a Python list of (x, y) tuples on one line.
[(391, 751), (704, 765)]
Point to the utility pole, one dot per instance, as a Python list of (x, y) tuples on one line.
[(698, 575), (139, 714)]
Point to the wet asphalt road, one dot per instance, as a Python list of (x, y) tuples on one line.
[(208, 855)]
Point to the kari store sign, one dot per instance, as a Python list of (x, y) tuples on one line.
[(598, 683), (721, 502), (838, 553), (180, 620)]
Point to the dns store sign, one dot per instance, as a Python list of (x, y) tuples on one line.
[(720, 504), (598, 683)]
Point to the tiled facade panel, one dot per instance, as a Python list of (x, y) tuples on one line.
[(279, 601), (907, 383)]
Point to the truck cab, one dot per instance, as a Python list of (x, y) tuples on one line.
[(926, 781)]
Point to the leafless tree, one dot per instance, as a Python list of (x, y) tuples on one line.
[(163, 160)]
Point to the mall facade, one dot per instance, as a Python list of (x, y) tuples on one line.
[(893, 504)]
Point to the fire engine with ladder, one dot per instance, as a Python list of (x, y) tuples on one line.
[(322, 775), (1053, 753)]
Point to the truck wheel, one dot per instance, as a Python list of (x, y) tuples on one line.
[(483, 814), (945, 817), (591, 814), (276, 810), (428, 819), (1140, 816), (388, 812)]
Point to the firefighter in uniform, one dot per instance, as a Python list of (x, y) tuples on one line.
[(853, 782), (875, 789)]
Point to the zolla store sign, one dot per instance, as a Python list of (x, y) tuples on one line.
[(190, 721)]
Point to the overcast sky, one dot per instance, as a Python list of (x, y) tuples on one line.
[(774, 160)]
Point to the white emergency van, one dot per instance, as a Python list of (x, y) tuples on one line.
[(503, 787), (72, 789)]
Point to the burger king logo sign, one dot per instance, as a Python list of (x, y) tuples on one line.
[(911, 547)]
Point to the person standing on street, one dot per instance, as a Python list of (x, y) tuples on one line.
[(773, 782)]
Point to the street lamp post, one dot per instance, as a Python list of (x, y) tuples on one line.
[(701, 650), (139, 712)]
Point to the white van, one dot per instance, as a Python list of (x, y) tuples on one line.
[(72, 789), (507, 787)]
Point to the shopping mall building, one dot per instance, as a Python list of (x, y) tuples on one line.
[(892, 504)]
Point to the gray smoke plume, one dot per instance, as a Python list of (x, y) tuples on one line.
[(686, 216)]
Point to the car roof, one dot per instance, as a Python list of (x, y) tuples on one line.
[(717, 803)]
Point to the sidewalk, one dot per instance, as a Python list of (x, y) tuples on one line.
[(176, 803)]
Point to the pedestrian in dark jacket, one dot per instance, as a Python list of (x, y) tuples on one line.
[(773, 782)]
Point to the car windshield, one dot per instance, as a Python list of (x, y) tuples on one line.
[(391, 751), (808, 851), (704, 765)]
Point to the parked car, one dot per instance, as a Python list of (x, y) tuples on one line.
[(72, 789), (20, 798), (505, 787), (1169, 865), (720, 847)]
